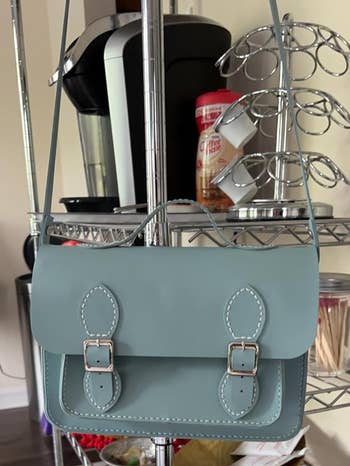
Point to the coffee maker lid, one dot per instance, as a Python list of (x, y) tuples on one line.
[(116, 43), (96, 28)]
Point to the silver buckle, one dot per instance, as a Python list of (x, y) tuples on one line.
[(242, 346), (98, 343)]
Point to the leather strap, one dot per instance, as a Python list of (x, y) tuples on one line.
[(99, 316), (163, 206), (54, 132), (239, 393)]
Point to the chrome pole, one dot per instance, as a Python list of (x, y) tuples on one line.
[(155, 139), (154, 105), (282, 120), (21, 70), (164, 451), (78, 450), (57, 446)]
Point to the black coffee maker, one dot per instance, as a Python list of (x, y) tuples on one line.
[(104, 81), (84, 82)]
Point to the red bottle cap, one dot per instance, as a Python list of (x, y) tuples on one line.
[(210, 105), (221, 96)]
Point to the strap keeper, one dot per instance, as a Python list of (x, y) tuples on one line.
[(242, 346)]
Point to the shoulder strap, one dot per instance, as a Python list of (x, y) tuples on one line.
[(53, 149), (54, 133), (163, 206)]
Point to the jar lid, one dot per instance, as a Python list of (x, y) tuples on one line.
[(334, 282)]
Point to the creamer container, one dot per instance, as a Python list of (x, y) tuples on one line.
[(214, 151)]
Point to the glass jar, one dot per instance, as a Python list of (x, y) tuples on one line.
[(330, 353)]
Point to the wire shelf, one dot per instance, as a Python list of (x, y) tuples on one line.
[(327, 393), (332, 232), (90, 234)]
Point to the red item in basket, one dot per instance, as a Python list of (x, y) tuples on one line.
[(71, 242), (178, 444), (93, 441)]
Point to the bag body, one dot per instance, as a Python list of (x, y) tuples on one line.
[(181, 342)]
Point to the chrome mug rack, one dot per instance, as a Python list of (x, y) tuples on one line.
[(322, 394), (308, 44)]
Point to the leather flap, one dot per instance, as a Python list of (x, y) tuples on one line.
[(175, 302)]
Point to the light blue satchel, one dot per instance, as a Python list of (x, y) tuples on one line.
[(179, 342), (184, 342)]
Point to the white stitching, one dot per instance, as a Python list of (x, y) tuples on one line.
[(164, 419), (116, 391), (222, 397), (233, 413), (261, 313), (287, 435), (137, 418), (114, 307)]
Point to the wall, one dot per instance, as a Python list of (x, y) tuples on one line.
[(94, 10), (69, 156), (13, 191), (329, 430), (41, 30)]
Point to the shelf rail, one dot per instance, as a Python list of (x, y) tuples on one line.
[(27, 131), (92, 230), (327, 393)]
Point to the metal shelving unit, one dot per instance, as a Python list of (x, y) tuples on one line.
[(323, 394)]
